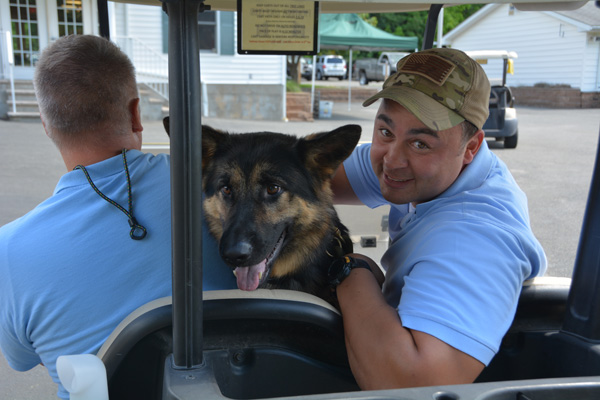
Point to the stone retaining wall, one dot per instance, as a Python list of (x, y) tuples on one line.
[(554, 97), (298, 106), (549, 97), (341, 94)]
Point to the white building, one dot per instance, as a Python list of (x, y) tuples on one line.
[(240, 86), (553, 47)]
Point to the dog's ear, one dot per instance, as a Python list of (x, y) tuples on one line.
[(210, 137), (166, 125), (210, 140), (324, 152)]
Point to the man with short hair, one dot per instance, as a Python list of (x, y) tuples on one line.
[(75, 266), (461, 241)]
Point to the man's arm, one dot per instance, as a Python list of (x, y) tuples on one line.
[(383, 354), (342, 190)]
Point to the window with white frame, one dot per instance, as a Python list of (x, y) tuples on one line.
[(216, 30), (70, 17), (24, 28), (207, 31)]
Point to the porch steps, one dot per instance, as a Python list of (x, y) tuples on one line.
[(24, 116), (153, 106), (23, 98)]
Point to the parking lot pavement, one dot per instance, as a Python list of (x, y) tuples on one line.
[(552, 163)]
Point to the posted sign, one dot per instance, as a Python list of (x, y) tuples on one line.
[(278, 27)]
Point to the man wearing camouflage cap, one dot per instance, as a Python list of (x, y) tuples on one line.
[(461, 242)]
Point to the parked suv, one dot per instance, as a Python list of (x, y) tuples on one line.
[(334, 66)]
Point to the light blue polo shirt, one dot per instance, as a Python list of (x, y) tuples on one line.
[(70, 273), (457, 263)]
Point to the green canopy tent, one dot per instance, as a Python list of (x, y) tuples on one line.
[(350, 32)]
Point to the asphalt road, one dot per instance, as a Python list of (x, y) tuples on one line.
[(552, 163)]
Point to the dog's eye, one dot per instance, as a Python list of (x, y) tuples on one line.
[(226, 190), (273, 189)]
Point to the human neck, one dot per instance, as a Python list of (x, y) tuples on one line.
[(86, 157), (91, 154)]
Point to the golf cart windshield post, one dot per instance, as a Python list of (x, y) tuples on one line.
[(103, 18), (431, 25), (186, 180), (583, 305)]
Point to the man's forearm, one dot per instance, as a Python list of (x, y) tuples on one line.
[(383, 354), (371, 326)]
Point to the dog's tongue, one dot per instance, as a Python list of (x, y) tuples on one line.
[(248, 278)]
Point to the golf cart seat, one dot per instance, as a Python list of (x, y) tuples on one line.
[(501, 96), (536, 333), (271, 343), (500, 99), (502, 122), (259, 344)]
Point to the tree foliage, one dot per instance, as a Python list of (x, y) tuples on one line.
[(413, 23)]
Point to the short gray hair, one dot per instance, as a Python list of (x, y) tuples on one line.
[(468, 131), (83, 83)]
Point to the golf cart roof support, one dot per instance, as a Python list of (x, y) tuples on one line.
[(186, 180), (430, 26), (583, 305), (103, 18)]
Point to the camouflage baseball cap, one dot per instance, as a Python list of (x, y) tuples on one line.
[(441, 87)]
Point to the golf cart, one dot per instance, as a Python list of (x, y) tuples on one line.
[(502, 123), (265, 344)]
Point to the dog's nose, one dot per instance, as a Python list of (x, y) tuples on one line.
[(238, 254)]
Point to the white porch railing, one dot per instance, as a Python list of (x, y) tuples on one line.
[(7, 48), (152, 67)]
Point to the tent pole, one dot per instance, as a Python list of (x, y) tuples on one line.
[(312, 84), (440, 29), (350, 83)]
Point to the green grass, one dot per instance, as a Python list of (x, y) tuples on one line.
[(317, 86), (292, 86)]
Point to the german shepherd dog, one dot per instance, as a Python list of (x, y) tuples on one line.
[(268, 202)]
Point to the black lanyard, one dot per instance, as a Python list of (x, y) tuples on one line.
[(138, 232)]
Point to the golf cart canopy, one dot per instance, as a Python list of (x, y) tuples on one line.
[(385, 6), (492, 54)]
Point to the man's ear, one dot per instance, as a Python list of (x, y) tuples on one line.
[(166, 125), (472, 147), (44, 125), (136, 115)]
